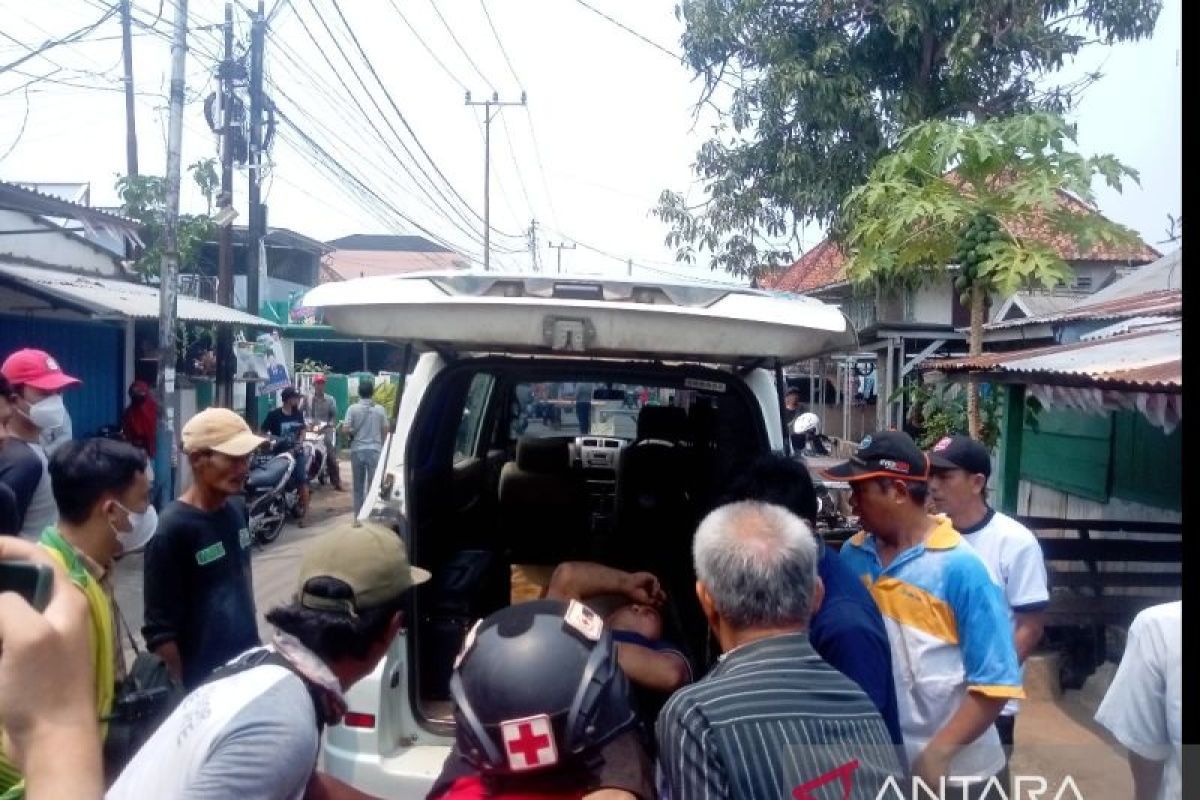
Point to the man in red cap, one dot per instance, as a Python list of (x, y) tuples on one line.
[(323, 408), (37, 383)]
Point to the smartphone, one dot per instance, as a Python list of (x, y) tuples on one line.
[(29, 579)]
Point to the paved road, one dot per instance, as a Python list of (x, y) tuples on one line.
[(275, 566)]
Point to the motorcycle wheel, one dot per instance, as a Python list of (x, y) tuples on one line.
[(270, 531)]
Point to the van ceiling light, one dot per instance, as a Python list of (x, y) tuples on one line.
[(579, 291)]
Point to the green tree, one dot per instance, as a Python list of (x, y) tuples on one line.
[(822, 88), (144, 198), (949, 194)]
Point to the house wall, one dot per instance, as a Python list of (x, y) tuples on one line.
[(57, 249), (932, 303)]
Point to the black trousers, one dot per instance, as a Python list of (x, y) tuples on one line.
[(1005, 726)]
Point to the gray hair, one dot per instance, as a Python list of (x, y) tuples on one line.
[(759, 563)]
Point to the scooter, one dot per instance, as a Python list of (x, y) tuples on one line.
[(315, 446), (272, 491)]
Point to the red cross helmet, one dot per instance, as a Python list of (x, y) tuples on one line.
[(537, 685)]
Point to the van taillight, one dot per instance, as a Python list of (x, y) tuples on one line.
[(354, 719)]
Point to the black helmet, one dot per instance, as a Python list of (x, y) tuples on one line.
[(537, 685)]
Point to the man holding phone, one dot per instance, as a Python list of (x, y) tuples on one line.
[(103, 496)]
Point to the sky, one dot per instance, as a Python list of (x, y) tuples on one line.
[(607, 125)]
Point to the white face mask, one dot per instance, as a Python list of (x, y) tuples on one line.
[(144, 523), (47, 413)]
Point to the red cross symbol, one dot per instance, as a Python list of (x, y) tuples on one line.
[(529, 743)]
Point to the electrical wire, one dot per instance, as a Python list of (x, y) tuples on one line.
[(432, 54), (503, 52), (461, 49), (50, 44)]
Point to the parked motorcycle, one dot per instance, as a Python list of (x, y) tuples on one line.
[(273, 490), (316, 446)]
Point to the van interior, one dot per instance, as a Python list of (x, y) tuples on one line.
[(516, 465)]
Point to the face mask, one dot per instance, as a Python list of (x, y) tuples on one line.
[(47, 413), (144, 525)]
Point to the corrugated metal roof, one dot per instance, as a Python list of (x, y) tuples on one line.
[(1166, 273), (112, 296), (1151, 358), (1167, 302)]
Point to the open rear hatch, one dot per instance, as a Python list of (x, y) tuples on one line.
[(461, 312)]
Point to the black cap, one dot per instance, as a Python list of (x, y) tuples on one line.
[(961, 452), (288, 394), (890, 454)]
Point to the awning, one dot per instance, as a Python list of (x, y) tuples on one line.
[(110, 297)]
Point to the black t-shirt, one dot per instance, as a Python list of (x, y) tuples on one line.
[(282, 424), (9, 526), (21, 471), (198, 586)]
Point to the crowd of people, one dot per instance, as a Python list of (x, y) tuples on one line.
[(898, 657)]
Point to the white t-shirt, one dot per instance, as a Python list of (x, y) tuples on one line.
[(1015, 559), (1143, 708)]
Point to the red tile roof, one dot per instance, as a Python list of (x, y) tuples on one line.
[(825, 264)]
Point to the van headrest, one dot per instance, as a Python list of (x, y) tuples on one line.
[(535, 454), (668, 423)]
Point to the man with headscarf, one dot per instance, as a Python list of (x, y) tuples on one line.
[(139, 424)]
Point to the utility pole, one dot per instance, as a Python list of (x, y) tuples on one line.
[(225, 252), (169, 270), (488, 116), (533, 248), (131, 154), (258, 218), (560, 247), (629, 267)]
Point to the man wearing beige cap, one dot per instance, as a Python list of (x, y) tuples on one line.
[(254, 730), (199, 597)]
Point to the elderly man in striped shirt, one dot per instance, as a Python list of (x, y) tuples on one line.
[(772, 719)]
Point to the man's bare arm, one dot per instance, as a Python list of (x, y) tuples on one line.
[(662, 672), (579, 580), (975, 714), (1147, 776), (168, 651), (1027, 632)]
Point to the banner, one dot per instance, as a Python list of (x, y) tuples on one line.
[(263, 361)]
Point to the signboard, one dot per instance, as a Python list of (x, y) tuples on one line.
[(263, 361)]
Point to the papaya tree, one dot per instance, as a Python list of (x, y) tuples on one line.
[(984, 199)]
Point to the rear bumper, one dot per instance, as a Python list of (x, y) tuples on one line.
[(406, 775)]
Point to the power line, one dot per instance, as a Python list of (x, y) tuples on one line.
[(461, 49), (428, 49), (537, 153), (503, 52), (516, 165), (50, 44)]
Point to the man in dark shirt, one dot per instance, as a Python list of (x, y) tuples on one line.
[(847, 630), (199, 597), (287, 422)]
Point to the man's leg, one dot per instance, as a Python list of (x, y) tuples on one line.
[(357, 472), (1005, 725), (331, 458)]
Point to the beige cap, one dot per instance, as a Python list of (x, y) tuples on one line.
[(220, 430), (372, 560)]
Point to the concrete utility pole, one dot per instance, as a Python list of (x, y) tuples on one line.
[(131, 153), (258, 214), (533, 249), (629, 267), (169, 270), (560, 247), (488, 116), (225, 252)]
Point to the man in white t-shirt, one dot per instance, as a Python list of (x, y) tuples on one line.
[(1143, 708), (958, 486)]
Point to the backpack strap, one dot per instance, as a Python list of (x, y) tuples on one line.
[(265, 655)]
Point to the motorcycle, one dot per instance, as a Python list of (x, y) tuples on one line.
[(316, 446), (272, 490), (835, 519)]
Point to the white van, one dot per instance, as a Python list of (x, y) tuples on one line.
[(500, 468)]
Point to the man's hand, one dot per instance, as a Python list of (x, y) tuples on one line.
[(644, 588), (932, 765), (47, 689)]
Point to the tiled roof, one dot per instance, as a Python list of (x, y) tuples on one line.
[(825, 264)]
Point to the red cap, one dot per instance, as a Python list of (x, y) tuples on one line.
[(319, 379), (38, 369)]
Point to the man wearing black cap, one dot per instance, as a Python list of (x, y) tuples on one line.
[(254, 729), (952, 649), (287, 422), (958, 484)]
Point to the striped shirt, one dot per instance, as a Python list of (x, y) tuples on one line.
[(950, 634), (773, 720)]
